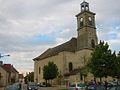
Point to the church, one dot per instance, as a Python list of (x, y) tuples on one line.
[(72, 55)]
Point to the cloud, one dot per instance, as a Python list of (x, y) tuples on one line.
[(29, 27)]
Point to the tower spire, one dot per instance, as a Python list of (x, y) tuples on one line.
[(86, 28), (84, 6)]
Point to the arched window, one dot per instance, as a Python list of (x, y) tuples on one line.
[(92, 43), (82, 7), (81, 76), (90, 21), (81, 21), (86, 7), (70, 66)]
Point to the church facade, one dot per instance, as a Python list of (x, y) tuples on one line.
[(72, 55)]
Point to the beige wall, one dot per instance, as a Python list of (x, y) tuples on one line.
[(58, 60), (3, 80), (78, 59), (17, 77), (62, 60)]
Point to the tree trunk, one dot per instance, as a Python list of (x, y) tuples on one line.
[(95, 80), (46, 83), (106, 84), (100, 79)]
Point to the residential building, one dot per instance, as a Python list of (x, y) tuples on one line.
[(8, 74), (21, 78)]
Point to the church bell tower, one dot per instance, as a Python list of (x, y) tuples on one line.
[(87, 38)]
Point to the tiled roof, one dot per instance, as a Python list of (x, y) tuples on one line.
[(69, 46), (9, 68)]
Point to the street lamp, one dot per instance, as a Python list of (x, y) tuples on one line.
[(3, 55)]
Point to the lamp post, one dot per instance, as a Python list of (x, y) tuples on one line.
[(3, 55)]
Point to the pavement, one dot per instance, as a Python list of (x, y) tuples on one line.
[(57, 87), (24, 87)]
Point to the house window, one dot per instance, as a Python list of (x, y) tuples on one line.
[(70, 66), (93, 43), (39, 70)]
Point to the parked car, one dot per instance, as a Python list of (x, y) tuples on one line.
[(15, 86), (43, 84), (77, 86), (111, 83), (32, 86), (117, 87), (95, 87)]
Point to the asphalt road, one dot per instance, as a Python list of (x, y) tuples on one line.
[(14, 86)]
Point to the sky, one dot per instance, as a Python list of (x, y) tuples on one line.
[(30, 27)]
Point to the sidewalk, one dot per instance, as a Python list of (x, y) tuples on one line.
[(60, 87), (24, 87)]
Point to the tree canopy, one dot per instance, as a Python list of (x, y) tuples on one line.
[(116, 72), (102, 61), (29, 77), (50, 71)]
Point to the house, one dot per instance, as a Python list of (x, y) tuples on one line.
[(4, 76), (72, 55), (8, 74)]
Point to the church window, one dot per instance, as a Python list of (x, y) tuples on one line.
[(81, 21), (86, 7), (70, 66), (90, 21), (82, 7), (93, 43), (81, 76), (39, 70)]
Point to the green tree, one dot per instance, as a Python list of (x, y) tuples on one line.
[(84, 71), (116, 72), (29, 77), (50, 71), (102, 61)]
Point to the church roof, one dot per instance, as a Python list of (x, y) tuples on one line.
[(69, 46)]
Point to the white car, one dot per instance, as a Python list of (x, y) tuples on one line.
[(77, 86)]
